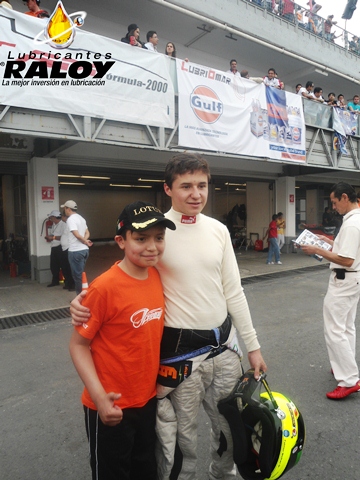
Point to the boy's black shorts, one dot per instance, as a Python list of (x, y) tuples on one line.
[(126, 451)]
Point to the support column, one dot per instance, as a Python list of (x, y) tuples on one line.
[(259, 208), (43, 191), (312, 201), (8, 200), (285, 203)]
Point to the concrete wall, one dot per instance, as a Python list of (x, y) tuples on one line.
[(312, 206), (260, 207)]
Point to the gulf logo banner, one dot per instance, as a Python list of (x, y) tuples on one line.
[(78, 72), (221, 112)]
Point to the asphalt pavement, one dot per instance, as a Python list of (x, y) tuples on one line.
[(43, 434), (21, 295)]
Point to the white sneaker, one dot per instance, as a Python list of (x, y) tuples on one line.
[(278, 263), (269, 263)]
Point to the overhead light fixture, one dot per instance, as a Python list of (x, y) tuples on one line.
[(69, 176), (96, 178), (83, 176), (71, 183), (236, 184), (217, 188), (322, 72), (231, 37), (150, 180), (130, 186), (205, 28)]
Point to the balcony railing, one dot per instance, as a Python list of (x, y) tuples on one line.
[(320, 115), (312, 22)]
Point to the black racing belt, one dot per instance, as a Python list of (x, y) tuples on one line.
[(341, 272), (177, 341)]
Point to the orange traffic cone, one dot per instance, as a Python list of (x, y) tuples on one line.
[(84, 281), (61, 277), (13, 270)]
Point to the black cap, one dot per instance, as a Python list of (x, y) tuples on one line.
[(140, 216)]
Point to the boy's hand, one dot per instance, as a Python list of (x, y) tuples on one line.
[(79, 314), (110, 414)]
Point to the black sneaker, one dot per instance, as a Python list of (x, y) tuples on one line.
[(53, 285)]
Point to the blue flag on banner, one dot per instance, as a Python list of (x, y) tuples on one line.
[(339, 136)]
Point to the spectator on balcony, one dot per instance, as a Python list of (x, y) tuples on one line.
[(300, 16), (331, 101), (281, 83), (170, 49), (35, 10), (152, 41), (314, 21), (354, 105), (334, 37), (276, 7), (354, 45), (318, 95), (329, 22), (245, 74), (313, 8), (286, 10), (315, 25), (297, 88), (307, 92), (270, 80), (133, 36), (341, 101), (269, 4), (233, 68)]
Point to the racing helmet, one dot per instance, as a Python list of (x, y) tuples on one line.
[(267, 428)]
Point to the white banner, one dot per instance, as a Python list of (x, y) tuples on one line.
[(224, 113), (93, 76)]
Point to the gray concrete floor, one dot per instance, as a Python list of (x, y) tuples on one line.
[(42, 430), (21, 295), (43, 436)]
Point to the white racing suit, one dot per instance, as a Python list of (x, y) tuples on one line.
[(192, 373)]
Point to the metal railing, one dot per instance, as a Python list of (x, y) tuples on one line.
[(321, 116), (314, 23)]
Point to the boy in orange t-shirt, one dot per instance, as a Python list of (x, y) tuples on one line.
[(117, 352)]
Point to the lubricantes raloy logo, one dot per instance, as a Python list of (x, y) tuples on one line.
[(39, 66)]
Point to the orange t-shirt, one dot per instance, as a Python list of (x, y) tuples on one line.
[(38, 14), (125, 329)]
